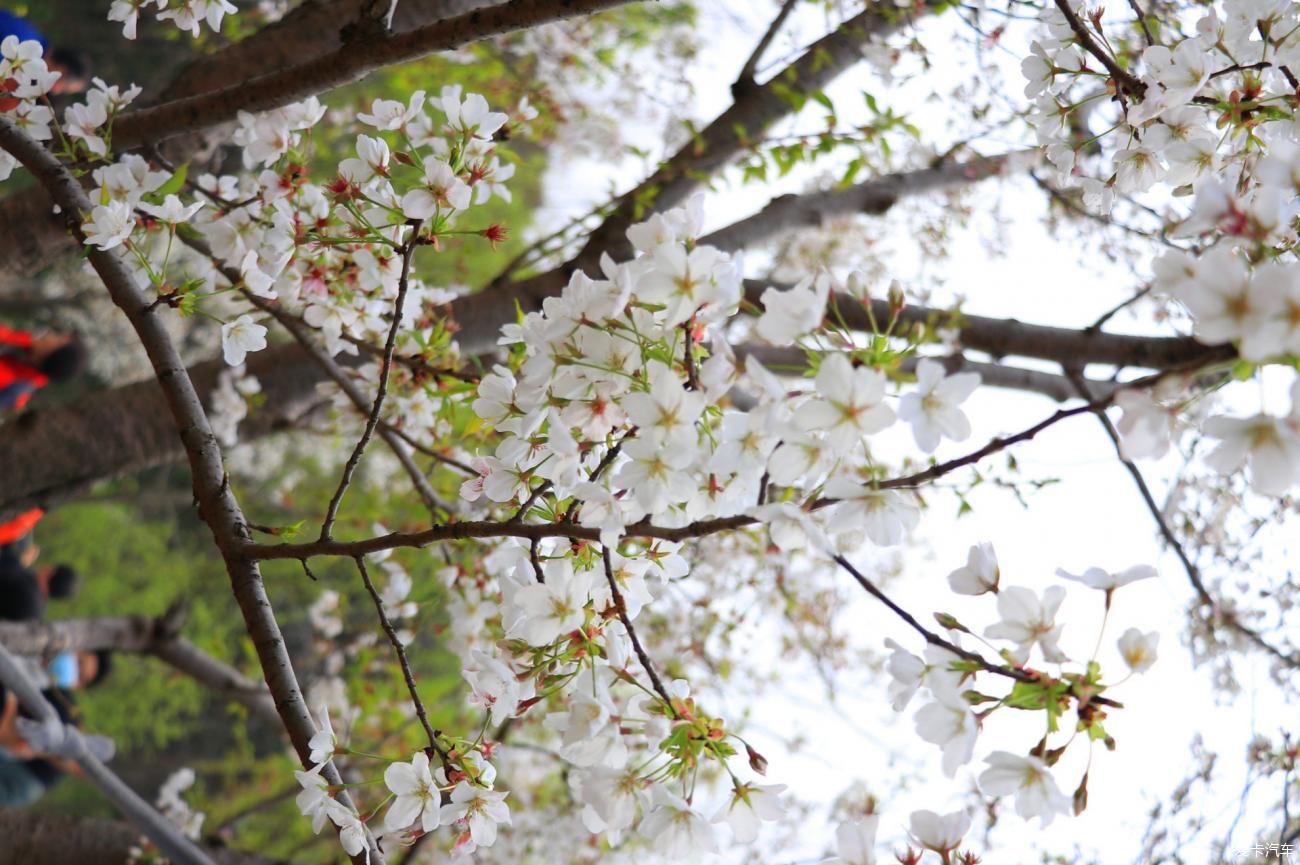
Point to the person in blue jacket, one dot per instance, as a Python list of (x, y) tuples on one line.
[(73, 64)]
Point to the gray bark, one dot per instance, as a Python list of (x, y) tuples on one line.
[(872, 197)]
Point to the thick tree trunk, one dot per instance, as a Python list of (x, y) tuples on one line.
[(58, 454), (35, 838)]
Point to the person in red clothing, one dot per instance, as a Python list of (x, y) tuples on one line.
[(28, 363)]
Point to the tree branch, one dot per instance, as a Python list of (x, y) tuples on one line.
[(872, 197), (402, 661), (620, 606), (302, 334), (63, 740), (1003, 337), (755, 110), (116, 432), (930, 636), (32, 236), (144, 635), (1055, 387), (403, 284), (347, 63), (1125, 81)]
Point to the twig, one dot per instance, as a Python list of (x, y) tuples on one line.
[(402, 661), (930, 636), (753, 112), (1238, 67), (343, 65), (1119, 307), (1124, 80), (605, 462), (1286, 805), (621, 607), (464, 468), (1142, 22), (1074, 207), (538, 246), (408, 252), (535, 560), (746, 75), (540, 490), (1171, 540)]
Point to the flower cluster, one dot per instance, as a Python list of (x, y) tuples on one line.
[(1210, 115), (956, 711), (328, 254), (24, 82), (619, 404)]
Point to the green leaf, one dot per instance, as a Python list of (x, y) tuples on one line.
[(174, 183)]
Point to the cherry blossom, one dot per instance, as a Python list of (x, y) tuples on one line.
[(1030, 780), (855, 841), (241, 336), (172, 210), (932, 409), (352, 832), (313, 801), (940, 833), (323, 742), (1107, 581), (1266, 445), (110, 225), (495, 686), (791, 314), (851, 405), (1146, 428), (418, 796), (885, 516), (980, 573), (612, 797), (949, 723), (1028, 620), (442, 190), (676, 829), (748, 807), (477, 812), (1138, 649)]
